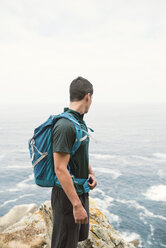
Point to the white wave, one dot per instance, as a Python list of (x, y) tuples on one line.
[(23, 184), (20, 167), (115, 173), (130, 236), (125, 161), (152, 230), (23, 151), (18, 151), (163, 245), (161, 174), (113, 218), (147, 140), (142, 217), (156, 193), (142, 158), (101, 192), (2, 156), (102, 156), (14, 200), (130, 159), (161, 156), (146, 212), (104, 203)]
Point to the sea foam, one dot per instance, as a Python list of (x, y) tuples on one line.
[(145, 212), (156, 193), (14, 200), (161, 156), (21, 186), (128, 236), (115, 173), (102, 156), (163, 245), (2, 156), (161, 174), (104, 204), (19, 166)]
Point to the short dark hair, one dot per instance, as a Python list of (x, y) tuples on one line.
[(79, 87)]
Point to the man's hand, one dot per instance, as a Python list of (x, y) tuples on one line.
[(80, 214), (92, 181)]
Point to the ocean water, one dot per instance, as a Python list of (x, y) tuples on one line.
[(128, 157)]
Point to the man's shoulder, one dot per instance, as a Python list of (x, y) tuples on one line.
[(64, 124), (63, 135)]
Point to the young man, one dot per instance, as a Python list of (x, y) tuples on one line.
[(70, 204)]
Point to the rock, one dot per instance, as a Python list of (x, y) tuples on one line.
[(16, 214), (34, 230), (135, 242), (46, 212), (27, 232)]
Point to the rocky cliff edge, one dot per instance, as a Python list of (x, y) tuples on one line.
[(25, 226)]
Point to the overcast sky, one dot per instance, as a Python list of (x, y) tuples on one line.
[(119, 46)]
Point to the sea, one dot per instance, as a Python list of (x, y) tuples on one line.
[(127, 153)]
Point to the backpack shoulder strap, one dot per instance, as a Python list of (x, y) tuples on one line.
[(78, 130)]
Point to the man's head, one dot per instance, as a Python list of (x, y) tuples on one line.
[(81, 90), (79, 87)]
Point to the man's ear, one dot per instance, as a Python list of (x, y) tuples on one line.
[(86, 97)]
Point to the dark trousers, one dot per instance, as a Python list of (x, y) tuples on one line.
[(66, 233)]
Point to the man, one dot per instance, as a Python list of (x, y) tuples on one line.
[(70, 204)]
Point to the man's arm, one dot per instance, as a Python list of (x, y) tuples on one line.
[(93, 181), (60, 166)]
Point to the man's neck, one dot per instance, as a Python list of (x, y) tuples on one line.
[(77, 106)]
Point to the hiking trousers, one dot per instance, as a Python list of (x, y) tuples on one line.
[(66, 233)]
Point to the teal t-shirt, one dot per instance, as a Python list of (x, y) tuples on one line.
[(63, 137)]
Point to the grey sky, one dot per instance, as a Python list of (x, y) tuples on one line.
[(118, 45)]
